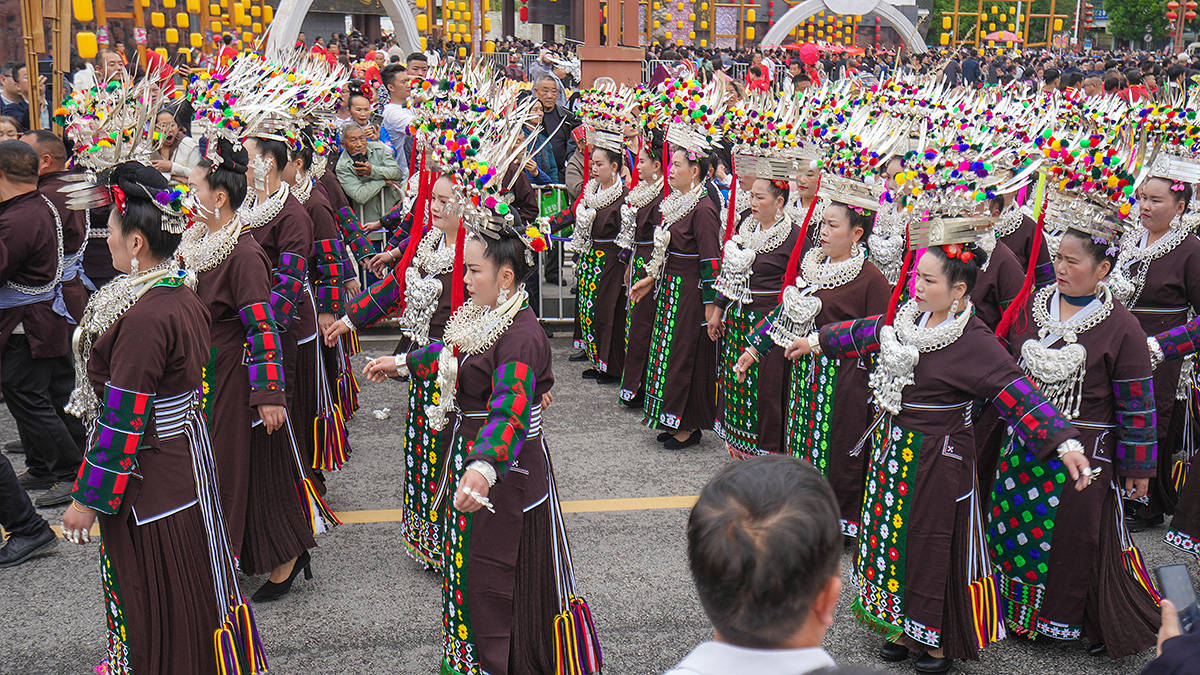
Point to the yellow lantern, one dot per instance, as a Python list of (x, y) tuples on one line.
[(995, 9), (703, 42), (193, 6), (243, 18), (420, 4), (181, 19), (216, 26), (172, 35), (462, 52), (489, 47), (703, 25), (169, 4), (158, 19), (750, 19), (215, 10), (422, 22), (991, 26), (196, 39), (424, 44), (185, 53), (255, 11), (85, 43), (749, 32), (668, 16), (487, 24), (1003, 18), (667, 35), (161, 52), (692, 35), (83, 10), (256, 28), (1058, 24), (463, 6), (247, 38), (991, 43), (1012, 27), (945, 38), (703, 8), (692, 16), (945, 23), (657, 6), (657, 23), (268, 14), (467, 16), (456, 15)]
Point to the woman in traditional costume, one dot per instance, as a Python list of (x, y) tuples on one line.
[(750, 408), (271, 509), (423, 315), (639, 217), (170, 580), (600, 269), (1065, 562), (835, 283), (923, 579), (1157, 276)]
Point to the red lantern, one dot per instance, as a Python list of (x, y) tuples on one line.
[(1190, 4), (1171, 16), (770, 3), (525, 14), (1189, 15), (1172, 5)]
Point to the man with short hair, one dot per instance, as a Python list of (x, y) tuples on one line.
[(1050, 80), (36, 371), (52, 167), (764, 548), (368, 174), (12, 97), (397, 116), (1093, 86), (556, 119), (417, 65)]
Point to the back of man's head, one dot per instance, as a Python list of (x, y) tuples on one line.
[(763, 545), (47, 143), (19, 162)]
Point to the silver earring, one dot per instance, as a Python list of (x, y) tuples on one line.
[(954, 307), (133, 265), (855, 249), (502, 296), (259, 164)]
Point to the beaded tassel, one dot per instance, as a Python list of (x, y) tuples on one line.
[(586, 641), (985, 610), (1134, 564), (329, 434), (566, 648), (255, 657), (320, 517), (225, 644)]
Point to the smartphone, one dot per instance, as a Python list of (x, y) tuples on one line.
[(1176, 586)]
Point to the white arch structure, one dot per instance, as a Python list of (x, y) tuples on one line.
[(888, 12), (289, 17)]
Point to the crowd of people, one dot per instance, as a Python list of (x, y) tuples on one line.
[(974, 324)]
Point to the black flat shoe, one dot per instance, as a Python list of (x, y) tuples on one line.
[(635, 402), (57, 495), (29, 481), (591, 374), (933, 664), (893, 653), (14, 448), (1098, 649), (578, 356), (1142, 523), (273, 591), (664, 437), (605, 378), (673, 444), (20, 549)]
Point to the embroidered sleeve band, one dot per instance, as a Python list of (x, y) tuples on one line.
[(1033, 418), (1137, 428), (1181, 340), (509, 410), (112, 449), (757, 339), (423, 361), (708, 279), (354, 234), (327, 281), (379, 300), (289, 285), (851, 339), (264, 356)]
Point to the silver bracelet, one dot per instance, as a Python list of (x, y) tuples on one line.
[(349, 324), (484, 469), (1069, 445), (814, 342), (483, 501), (1156, 352)]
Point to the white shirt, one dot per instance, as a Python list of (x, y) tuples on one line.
[(720, 658)]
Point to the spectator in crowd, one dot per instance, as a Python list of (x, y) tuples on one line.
[(417, 64), (1093, 86), (36, 371), (556, 120), (764, 548), (369, 176), (179, 153), (227, 53), (514, 69), (952, 72), (794, 68), (755, 82), (13, 102), (360, 114), (1050, 79), (971, 72), (1178, 652), (10, 128), (432, 56), (107, 65), (52, 183), (542, 66), (540, 167), (397, 116)]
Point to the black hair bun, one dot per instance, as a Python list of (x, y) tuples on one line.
[(137, 181), (978, 255), (235, 160)]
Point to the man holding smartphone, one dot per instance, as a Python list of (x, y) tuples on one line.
[(370, 177)]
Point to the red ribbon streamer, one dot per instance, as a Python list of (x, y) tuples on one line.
[(1018, 305), (793, 266), (414, 232)]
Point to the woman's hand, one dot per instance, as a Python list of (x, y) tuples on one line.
[(473, 480), (380, 262), (716, 325), (640, 289), (1077, 466), (77, 523), (547, 399), (272, 416), (324, 321), (380, 369), (372, 226), (352, 287), (1136, 488), (799, 347), (334, 332), (743, 365)]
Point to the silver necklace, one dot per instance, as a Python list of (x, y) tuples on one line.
[(475, 328), (640, 196), (203, 250), (58, 271), (1009, 221), (594, 199), (1059, 373), (433, 257), (817, 271), (422, 287), (256, 215), (900, 348), (674, 208), (1128, 285), (303, 188), (740, 252)]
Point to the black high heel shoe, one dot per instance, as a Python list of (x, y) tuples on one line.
[(273, 591)]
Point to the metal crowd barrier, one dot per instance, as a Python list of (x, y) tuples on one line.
[(556, 299)]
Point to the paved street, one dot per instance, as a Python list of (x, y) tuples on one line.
[(371, 609)]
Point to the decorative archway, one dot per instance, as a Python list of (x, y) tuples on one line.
[(289, 17), (888, 12)]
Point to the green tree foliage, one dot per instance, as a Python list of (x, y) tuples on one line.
[(1127, 19)]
